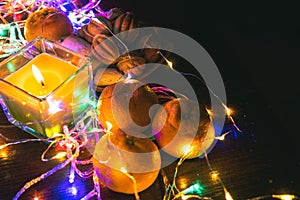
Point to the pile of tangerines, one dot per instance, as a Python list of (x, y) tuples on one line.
[(127, 159)]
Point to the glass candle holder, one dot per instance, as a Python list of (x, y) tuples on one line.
[(45, 86)]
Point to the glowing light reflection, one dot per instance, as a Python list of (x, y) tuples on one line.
[(54, 106)]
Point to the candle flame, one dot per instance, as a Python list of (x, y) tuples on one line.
[(38, 75)]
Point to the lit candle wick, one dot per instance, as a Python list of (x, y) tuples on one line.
[(38, 75)]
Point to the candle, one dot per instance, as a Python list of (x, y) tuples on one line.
[(53, 70), (44, 94)]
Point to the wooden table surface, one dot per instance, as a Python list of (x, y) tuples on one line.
[(252, 163), (262, 160)]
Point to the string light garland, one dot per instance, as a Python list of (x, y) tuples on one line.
[(70, 139), (74, 140), (11, 39), (13, 17)]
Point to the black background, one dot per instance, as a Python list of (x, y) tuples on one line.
[(255, 46)]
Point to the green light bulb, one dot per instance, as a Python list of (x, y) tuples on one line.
[(196, 188)]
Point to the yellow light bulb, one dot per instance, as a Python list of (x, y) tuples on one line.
[(222, 137), (214, 176), (186, 149), (169, 63), (123, 170), (227, 195), (184, 197), (228, 111), (109, 126), (60, 155), (209, 112), (284, 196)]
